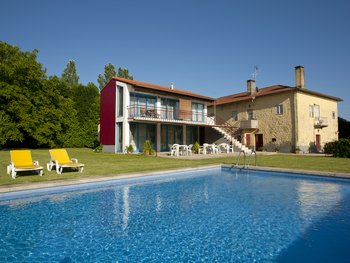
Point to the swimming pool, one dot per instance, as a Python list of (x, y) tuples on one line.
[(214, 215)]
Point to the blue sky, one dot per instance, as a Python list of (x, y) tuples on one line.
[(207, 47)]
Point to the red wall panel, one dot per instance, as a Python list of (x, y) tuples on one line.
[(107, 113)]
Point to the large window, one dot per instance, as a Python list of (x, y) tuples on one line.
[(197, 112), (140, 132), (119, 146), (191, 135), (170, 108), (141, 104), (170, 134), (119, 101)]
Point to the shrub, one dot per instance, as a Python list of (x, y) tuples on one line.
[(339, 148), (195, 147), (129, 148), (147, 147)]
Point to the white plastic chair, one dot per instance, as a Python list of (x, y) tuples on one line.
[(189, 149)]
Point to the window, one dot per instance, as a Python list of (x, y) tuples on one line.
[(279, 109), (250, 114), (234, 116), (317, 111), (333, 115), (119, 101), (197, 111), (311, 111), (141, 103), (170, 108)]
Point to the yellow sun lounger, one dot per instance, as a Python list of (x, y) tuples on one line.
[(21, 160), (60, 159)]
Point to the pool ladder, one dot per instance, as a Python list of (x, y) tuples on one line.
[(245, 166)]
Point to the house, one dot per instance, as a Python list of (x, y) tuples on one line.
[(280, 117), (132, 112)]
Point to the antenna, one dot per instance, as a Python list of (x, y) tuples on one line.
[(255, 72)]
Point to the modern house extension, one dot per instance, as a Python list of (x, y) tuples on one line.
[(133, 112), (280, 118)]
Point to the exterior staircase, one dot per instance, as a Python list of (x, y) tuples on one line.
[(229, 131)]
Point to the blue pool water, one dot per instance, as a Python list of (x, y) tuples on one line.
[(215, 215)]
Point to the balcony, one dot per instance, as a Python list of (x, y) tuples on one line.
[(321, 122), (164, 115), (249, 124)]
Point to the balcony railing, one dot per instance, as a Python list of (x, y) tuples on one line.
[(165, 114), (321, 122), (249, 124)]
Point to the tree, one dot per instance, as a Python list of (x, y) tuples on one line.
[(21, 82), (108, 74), (344, 128), (69, 74), (124, 73), (87, 104)]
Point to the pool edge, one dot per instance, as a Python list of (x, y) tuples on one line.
[(85, 180), (57, 183), (296, 171)]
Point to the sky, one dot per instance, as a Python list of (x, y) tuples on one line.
[(206, 47)]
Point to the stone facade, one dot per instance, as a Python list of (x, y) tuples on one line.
[(307, 128), (281, 118)]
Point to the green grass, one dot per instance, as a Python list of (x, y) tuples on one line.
[(105, 164)]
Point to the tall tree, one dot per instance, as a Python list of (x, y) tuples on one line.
[(87, 105), (69, 74), (21, 82), (124, 73), (344, 128), (108, 74)]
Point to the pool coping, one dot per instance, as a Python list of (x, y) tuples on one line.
[(94, 179), (73, 181), (296, 171)]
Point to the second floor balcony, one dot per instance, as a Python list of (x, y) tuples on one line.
[(249, 124), (162, 114), (321, 122)]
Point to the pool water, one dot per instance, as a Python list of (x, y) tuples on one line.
[(215, 215)]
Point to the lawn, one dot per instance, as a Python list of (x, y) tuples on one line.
[(106, 164)]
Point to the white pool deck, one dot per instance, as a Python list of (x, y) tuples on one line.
[(92, 179)]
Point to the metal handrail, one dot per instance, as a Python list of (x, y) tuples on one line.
[(165, 113), (245, 165)]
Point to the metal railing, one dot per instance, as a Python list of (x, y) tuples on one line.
[(163, 113)]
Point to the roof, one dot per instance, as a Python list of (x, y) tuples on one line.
[(162, 88), (268, 91)]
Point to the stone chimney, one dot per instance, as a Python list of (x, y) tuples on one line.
[(299, 77), (251, 86)]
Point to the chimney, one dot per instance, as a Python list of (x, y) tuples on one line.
[(251, 87), (299, 77), (172, 85)]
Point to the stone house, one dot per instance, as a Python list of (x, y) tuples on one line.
[(279, 118)]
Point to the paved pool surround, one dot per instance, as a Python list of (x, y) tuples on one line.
[(92, 179)]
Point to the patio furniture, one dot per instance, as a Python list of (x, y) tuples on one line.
[(174, 151), (204, 149), (224, 147), (21, 161), (183, 149), (60, 159), (189, 149)]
